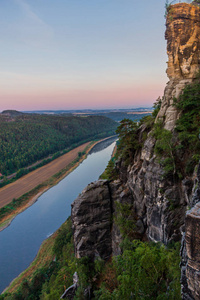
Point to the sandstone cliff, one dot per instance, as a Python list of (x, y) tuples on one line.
[(183, 49), (91, 215), (190, 250), (158, 203)]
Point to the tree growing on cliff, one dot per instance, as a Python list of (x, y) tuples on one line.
[(128, 139), (188, 124)]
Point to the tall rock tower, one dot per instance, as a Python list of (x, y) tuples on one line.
[(183, 49)]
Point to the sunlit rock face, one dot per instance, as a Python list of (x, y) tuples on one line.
[(183, 43), (183, 49)]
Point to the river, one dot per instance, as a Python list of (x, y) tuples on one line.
[(20, 242)]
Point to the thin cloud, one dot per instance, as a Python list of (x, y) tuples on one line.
[(29, 12), (31, 29)]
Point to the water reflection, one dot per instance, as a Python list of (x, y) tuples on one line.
[(104, 144)]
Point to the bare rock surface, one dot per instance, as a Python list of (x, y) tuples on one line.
[(190, 250), (183, 49), (192, 238), (91, 217)]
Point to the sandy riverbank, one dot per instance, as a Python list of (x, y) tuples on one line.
[(44, 177)]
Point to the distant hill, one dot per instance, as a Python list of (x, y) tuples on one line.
[(27, 138), (11, 113), (135, 114)]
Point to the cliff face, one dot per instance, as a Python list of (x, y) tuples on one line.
[(183, 49), (190, 250), (183, 44), (159, 204), (91, 215)]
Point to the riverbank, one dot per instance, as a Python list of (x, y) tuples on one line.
[(35, 222), (27, 199), (30, 196), (44, 258)]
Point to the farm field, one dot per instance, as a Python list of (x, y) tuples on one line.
[(31, 180)]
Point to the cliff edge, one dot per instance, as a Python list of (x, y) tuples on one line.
[(157, 200), (183, 50)]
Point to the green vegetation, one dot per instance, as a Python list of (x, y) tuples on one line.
[(110, 172), (147, 271), (168, 5), (188, 125), (16, 203), (143, 271), (51, 279), (165, 149), (19, 202), (125, 219), (128, 140), (196, 2), (156, 106), (127, 145), (27, 138), (179, 152)]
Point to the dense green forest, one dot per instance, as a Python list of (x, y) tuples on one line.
[(27, 138)]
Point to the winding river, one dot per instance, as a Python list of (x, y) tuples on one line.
[(20, 242)]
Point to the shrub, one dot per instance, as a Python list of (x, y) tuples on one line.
[(146, 271), (128, 140), (125, 219)]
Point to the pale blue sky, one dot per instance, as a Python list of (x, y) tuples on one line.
[(63, 54)]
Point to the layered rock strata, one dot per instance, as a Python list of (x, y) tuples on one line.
[(190, 250), (93, 212), (192, 238), (183, 49), (91, 218)]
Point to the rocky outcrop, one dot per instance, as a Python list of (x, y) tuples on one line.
[(93, 212), (183, 44), (160, 203), (91, 218), (192, 238), (190, 250), (183, 49)]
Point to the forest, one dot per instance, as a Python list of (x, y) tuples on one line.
[(27, 138)]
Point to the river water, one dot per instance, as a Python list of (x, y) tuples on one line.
[(20, 242)]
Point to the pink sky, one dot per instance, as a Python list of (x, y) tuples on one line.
[(66, 55), (119, 97)]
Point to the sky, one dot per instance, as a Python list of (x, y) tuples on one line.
[(80, 54)]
